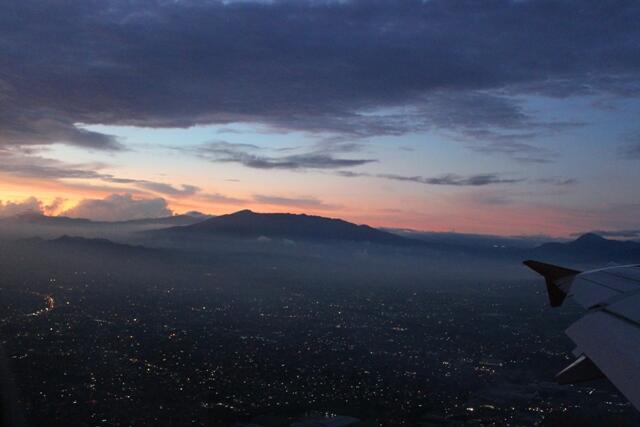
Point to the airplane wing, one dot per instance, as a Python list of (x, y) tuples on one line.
[(608, 335)]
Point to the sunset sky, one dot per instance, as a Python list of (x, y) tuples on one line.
[(503, 117)]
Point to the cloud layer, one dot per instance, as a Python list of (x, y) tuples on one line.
[(355, 68), (34, 166), (30, 205), (248, 155), (446, 179), (293, 202), (119, 207)]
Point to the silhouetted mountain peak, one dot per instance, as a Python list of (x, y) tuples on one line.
[(246, 223), (589, 247), (28, 215), (590, 238)]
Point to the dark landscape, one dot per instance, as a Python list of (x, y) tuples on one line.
[(236, 319)]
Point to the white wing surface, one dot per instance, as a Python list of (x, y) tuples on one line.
[(608, 335)]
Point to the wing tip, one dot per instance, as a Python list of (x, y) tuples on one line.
[(552, 274), (581, 370)]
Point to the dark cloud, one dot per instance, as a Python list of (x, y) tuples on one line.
[(46, 168), (302, 161), (250, 156), (41, 167), (26, 127), (455, 180), (297, 202), (512, 146), (350, 174), (514, 138), (561, 182), (355, 68), (491, 199), (119, 207), (446, 179)]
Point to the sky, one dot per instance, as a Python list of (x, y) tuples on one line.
[(504, 117)]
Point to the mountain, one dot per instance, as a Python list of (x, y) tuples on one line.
[(171, 232), (95, 244), (33, 224), (471, 241), (73, 259), (86, 246), (175, 220), (36, 218), (590, 247), (248, 224)]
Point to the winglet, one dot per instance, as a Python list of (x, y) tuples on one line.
[(554, 276), (583, 369)]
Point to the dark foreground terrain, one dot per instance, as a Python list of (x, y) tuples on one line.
[(269, 333)]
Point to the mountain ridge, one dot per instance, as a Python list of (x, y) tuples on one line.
[(41, 219), (246, 223), (590, 247)]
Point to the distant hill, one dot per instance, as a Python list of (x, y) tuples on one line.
[(471, 241), (37, 225), (590, 247), (292, 226), (175, 220), (35, 218), (95, 244), (115, 263), (86, 246), (171, 232)]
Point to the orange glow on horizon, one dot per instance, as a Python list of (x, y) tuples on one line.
[(451, 215)]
